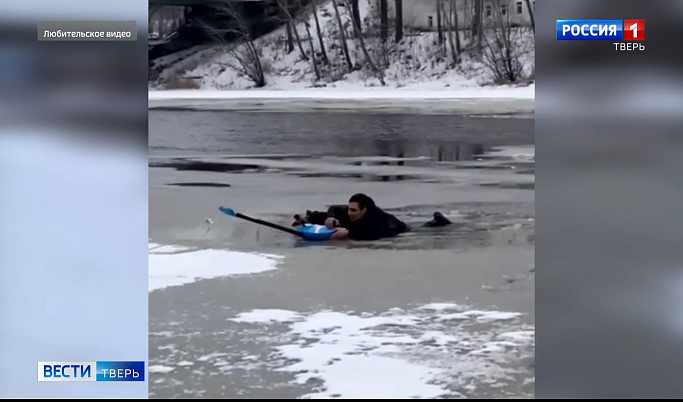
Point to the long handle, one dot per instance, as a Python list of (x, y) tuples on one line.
[(231, 212)]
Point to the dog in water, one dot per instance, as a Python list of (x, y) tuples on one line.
[(340, 212), (311, 217), (437, 221)]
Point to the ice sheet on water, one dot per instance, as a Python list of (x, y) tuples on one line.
[(398, 353), (519, 153), (441, 306), (157, 369), (266, 316), (177, 266)]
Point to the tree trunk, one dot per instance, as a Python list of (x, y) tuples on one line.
[(383, 20), (467, 16), (399, 20), (342, 35), (284, 6), (356, 15), (298, 39), (326, 60), (451, 41), (531, 15), (439, 27), (477, 28), (457, 28), (356, 29), (290, 38), (476, 18), (313, 60), (480, 23)]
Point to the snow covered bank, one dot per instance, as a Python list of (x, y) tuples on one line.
[(417, 62), (485, 100), (503, 92)]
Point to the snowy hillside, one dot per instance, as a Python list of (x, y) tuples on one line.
[(418, 61)]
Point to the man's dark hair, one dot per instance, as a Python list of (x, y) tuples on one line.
[(363, 201)]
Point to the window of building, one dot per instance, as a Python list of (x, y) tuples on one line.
[(520, 8), (488, 10), (430, 21), (503, 9)]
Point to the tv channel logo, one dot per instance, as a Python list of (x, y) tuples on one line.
[(91, 371), (634, 30), (612, 30)]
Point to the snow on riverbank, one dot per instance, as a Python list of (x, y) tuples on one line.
[(417, 63), (502, 92), (483, 100)]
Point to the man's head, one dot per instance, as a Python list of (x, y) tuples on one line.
[(359, 204)]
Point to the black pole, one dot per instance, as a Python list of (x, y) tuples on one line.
[(271, 225)]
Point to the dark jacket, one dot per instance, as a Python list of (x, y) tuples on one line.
[(376, 225), (340, 213)]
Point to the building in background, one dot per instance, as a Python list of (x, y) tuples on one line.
[(422, 14)]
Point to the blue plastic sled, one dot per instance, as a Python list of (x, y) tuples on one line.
[(315, 232)]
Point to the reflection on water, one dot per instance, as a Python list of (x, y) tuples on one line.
[(420, 140), (443, 138)]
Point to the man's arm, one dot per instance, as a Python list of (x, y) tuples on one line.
[(332, 223), (337, 216), (365, 233), (340, 234)]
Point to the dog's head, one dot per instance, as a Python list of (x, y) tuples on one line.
[(311, 217), (298, 220)]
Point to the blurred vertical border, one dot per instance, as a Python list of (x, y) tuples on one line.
[(609, 205), (73, 198)]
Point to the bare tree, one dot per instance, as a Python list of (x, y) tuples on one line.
[(501, 55), (310, 43), (284, 6), (384, 30), (531, 15), (377, 22), (456, 26), (356, 15), (246, 58), (399, 20), (468, 15), (326, 60), (448, 16), (290, 38), (383, 20), (476, 17), (477, 21), (345, 47), (368, 58), (439, 27)]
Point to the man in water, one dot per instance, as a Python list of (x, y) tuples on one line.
[(341, 216), (365, 221)]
